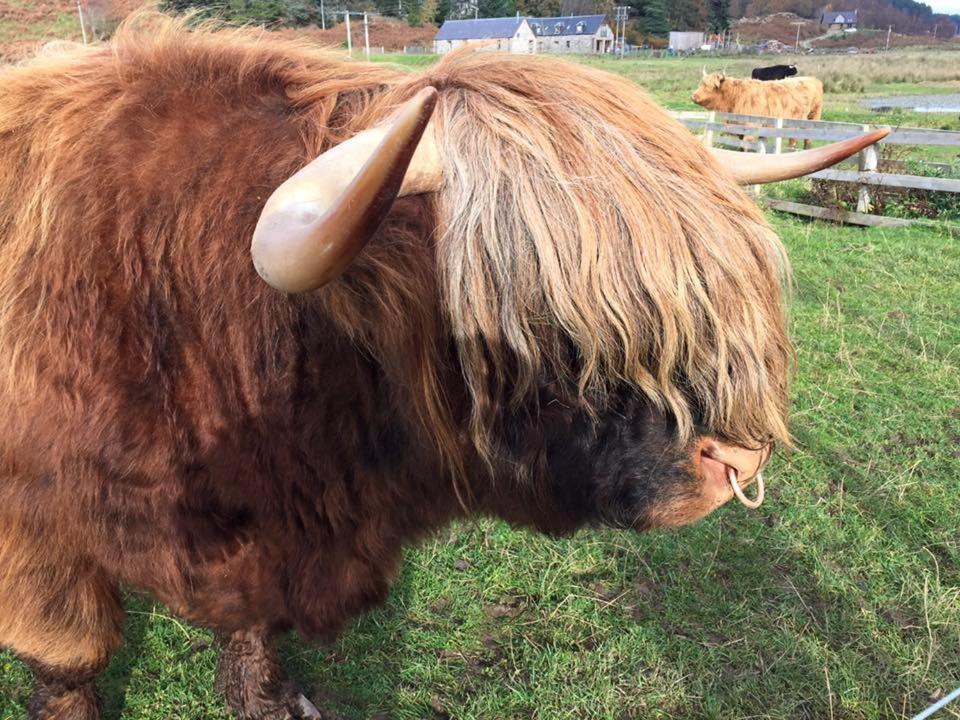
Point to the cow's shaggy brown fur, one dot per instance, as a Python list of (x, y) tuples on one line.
[(586, 295), (796, 97)]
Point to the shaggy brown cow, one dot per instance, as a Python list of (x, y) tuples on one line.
[(572, 316), (796, 97)]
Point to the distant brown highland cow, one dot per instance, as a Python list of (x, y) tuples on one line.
[(507, 286), (796, 97)]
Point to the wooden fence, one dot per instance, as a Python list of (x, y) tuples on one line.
[(767, 134)]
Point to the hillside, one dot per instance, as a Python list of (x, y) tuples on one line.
[(24, 26), (781, 28), (777, 26), (385, 32)]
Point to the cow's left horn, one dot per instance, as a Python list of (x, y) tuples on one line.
[(319, 219), (756, 168)]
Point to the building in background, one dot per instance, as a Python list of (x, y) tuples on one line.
[(511, 34), (685, 41), (842, 20), (580, 34)]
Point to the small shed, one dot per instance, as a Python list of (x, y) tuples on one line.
[(580, 34), (685, 41), (839, 20), (510, 34)]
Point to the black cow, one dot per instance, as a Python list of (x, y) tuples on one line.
[(773, 72)]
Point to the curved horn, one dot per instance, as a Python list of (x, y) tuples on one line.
[(756, 169), (704, 71), (319, 219)]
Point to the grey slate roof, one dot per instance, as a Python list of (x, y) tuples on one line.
[(480, 29), (566, 25), (848, 17)]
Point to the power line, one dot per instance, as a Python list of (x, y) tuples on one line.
[(622, 13)]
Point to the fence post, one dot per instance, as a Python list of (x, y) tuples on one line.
[(708, 133), (866, 163), (762, 149), (778, 140)]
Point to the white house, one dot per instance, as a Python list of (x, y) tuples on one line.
[(581, 34), (845, 20), (511, 34)]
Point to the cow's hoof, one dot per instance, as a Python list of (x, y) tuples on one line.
[(62, 694), (77, 704), (255, 685), (295, 706)]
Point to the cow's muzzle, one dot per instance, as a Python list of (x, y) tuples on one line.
[(727, 467)]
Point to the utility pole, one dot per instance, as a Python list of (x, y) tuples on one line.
[(889, 30), (346, 17), (621, 17), (797, 46), (366, 37), (83, 27)]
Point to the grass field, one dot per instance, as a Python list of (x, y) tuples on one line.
[(840, 598), (847, 79)]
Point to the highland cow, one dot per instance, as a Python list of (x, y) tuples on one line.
[(507, 286), (799, 97)]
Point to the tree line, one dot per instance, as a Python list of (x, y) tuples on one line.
[(649, 18)]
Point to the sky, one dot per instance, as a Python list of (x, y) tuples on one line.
[(950, 7)]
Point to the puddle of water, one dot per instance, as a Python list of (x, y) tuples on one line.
[(949, 103)]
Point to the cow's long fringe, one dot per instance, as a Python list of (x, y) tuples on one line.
[(588, 239)]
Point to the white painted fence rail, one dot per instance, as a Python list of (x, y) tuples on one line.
[(759, 133)]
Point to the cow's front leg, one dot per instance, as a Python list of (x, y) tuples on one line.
[(254, 683)]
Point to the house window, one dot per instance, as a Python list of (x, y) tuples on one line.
[(579, 27), (537, 29), (568, 43), (558, 29)]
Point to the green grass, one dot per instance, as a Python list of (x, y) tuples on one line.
[(671, 80), (840, 598), (64, 25)]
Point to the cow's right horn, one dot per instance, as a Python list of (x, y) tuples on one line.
[(757, 169), (319, 219)]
